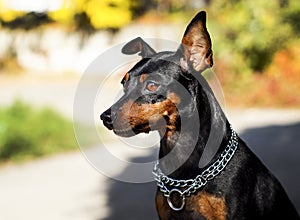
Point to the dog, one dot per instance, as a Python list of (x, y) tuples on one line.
[(205, 169)]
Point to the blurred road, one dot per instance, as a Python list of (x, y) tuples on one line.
[(67, 187)]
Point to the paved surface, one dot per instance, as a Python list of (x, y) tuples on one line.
[(67, 187), (59, 187)]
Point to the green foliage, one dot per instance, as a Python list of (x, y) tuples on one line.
[(26, 133), (250, 31), (291, 15)]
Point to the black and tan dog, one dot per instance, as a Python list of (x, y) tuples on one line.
[(198, 177)]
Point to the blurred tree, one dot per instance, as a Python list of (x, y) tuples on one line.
[(251, 30), (85, 14), (26, 21), (65, 13), (98, 14), (164, 5), (108, 13), (291, 15), (169, 6), (7, 14), (283, 3), (83, 23), (140, 7)]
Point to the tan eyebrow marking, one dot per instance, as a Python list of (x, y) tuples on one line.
[(143, 77), (125, 78)]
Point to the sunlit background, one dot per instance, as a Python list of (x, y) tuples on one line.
[(46, 47)]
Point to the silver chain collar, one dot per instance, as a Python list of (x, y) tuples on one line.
[(186, 187)]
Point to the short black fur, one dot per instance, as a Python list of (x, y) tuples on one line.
[(248, 189)]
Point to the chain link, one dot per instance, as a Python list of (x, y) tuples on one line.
[(190, 186)]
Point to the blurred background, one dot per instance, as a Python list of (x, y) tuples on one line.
[(46, 47)]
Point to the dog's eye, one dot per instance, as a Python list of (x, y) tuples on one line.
[(152, 86)]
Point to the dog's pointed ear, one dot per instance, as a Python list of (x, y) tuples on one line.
[(196, 45), (138, 45)]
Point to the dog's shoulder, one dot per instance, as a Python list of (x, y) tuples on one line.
[(250, 187)]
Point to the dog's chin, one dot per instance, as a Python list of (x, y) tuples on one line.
[(124, 133), (130, 132)]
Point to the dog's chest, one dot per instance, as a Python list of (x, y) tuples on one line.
[(201, 206)]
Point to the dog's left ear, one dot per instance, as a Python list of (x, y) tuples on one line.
[(196, 45), (138, 45)]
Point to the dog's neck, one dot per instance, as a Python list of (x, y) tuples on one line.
[(198, 138)]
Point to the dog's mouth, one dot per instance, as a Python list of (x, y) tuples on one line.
[(124, 133), (129, 132)]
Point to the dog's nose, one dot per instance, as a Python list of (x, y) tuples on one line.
[(107, 119)]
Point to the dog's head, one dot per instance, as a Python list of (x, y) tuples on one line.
[(152, 94)]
